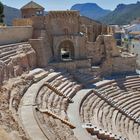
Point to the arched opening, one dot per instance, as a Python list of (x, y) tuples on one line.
[(66, 50)]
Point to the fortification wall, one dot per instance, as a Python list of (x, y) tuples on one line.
[(22, 22), (72, 65), (15, 34), (128, 64), (62, 22)]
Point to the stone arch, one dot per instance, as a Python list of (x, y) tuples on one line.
[(66, 50)]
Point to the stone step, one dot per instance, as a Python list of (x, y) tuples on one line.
[(86, 78), (7, 53), (40, 76), (8, 56), (9, 48), (12, 45), (7, 61), (36, 71), (62, 85)]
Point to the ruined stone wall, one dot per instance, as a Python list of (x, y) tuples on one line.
[(72, 65), (38, 22), (115, 65), (114, 61), (16, 59), (22, 22), (124, 64), (62, 22), (15, 34), (79, 44), (96, 51), (60, 26), (101, 49), (103, 52), (27, 13), (110, 46), (92, 28), (43, 54), (37, 44), (40, 41)]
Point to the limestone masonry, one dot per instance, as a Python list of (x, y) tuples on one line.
[(46, 61), (64, 39)]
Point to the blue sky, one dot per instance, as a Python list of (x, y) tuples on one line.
[(66, 4)]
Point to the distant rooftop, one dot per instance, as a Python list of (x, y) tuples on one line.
[(31, 5)]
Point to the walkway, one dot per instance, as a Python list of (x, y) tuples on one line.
[(74, 117), (26, 110)]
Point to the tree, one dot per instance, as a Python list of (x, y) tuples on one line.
[(1, 12)]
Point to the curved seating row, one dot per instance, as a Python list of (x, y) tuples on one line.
[(50, 115), (56, 95), (52, 100), (7, 51), (114, 107)]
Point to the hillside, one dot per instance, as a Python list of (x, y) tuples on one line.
[(91, 10), (10, 13), (123, 14)]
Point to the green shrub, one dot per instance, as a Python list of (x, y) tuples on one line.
[(1, 12)]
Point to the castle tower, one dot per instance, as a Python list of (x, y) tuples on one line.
[(32, 9)]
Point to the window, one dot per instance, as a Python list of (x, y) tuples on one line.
[(38, 13)]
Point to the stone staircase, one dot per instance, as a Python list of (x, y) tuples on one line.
[(8, 51), (85, 78)]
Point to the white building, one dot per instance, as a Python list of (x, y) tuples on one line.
[(133, 28)]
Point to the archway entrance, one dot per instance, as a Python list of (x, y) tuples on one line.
[(66, 50)]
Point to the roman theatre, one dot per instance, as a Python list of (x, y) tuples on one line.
[(63, 78)]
